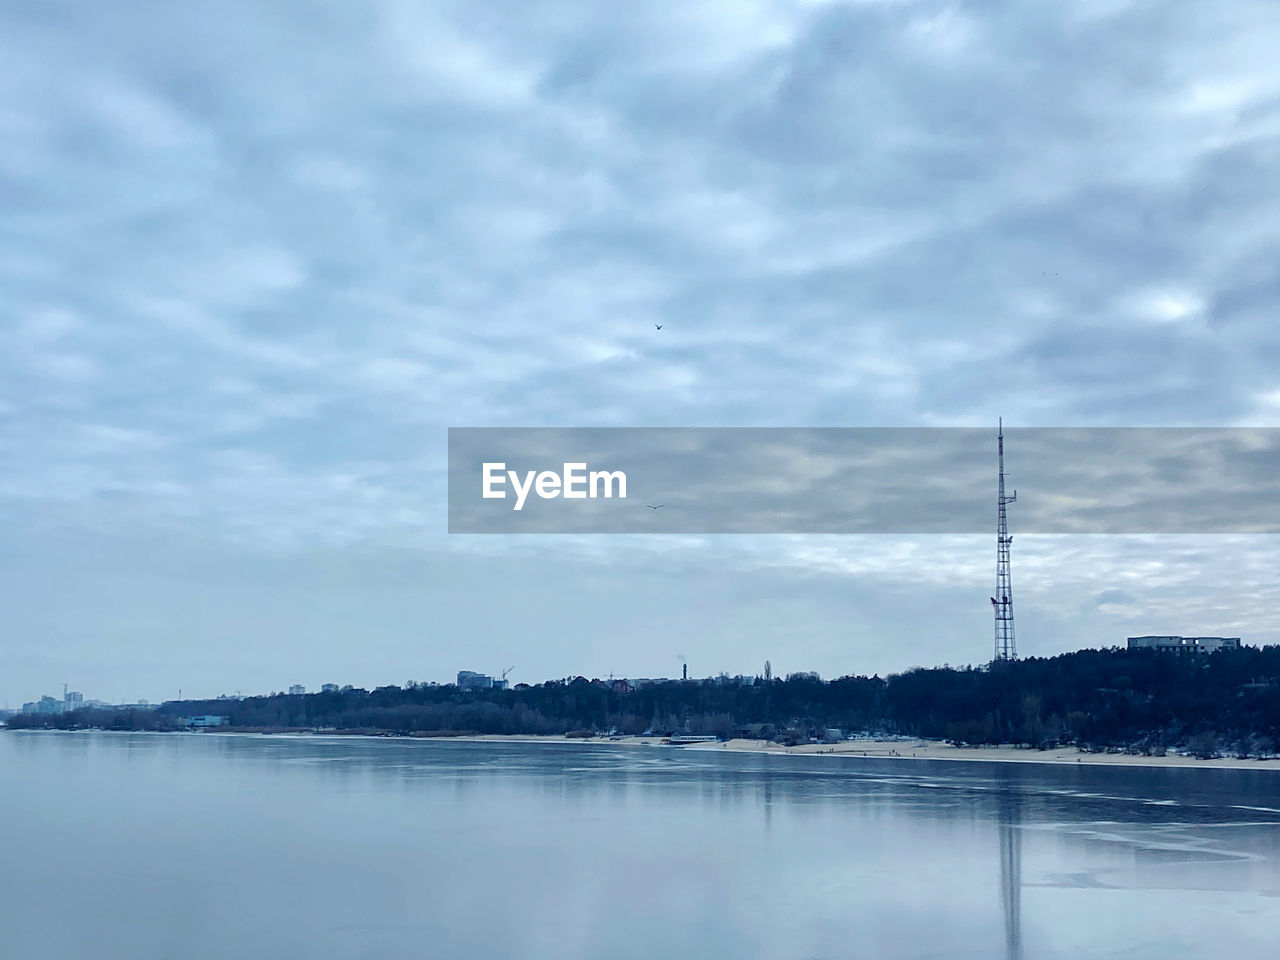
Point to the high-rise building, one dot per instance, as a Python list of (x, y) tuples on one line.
[(1184, 644), (470, 680)]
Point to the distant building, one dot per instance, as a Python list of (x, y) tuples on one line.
[(1184, 644), (469, 680), (297, 690), (207, 721), (72, 700), (328, 688), (724, 680)]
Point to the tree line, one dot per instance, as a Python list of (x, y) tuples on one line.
[(1140, 700)]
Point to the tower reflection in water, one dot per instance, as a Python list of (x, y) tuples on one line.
[(1010, 827)]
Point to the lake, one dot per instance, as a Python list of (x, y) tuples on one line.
[(189, 846)]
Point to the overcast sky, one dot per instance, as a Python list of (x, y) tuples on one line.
[(255, 259)]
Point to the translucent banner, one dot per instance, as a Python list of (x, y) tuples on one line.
[(862, 480)]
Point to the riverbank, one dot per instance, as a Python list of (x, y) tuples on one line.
[(914, 750), (855, 749)]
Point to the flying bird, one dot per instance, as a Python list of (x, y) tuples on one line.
[(654, 506), (658, 325)]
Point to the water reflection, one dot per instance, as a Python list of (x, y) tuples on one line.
[(541, 851), (1010, 827)]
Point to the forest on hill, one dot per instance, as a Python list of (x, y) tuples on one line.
[(1138, 700)]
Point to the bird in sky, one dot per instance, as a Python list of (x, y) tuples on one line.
[(658, 325), (653, 506)]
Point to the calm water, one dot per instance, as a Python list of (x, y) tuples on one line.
[(146, 846)]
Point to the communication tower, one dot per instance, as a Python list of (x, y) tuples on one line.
[(1002, 602)]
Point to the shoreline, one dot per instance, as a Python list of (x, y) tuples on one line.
[(902, 750), (851, 749)]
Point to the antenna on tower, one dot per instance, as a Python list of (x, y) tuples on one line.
[(1002, 602)]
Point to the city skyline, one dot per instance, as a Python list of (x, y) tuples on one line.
[(477, 680)]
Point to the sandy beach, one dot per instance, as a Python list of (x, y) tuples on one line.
[(918, 750)]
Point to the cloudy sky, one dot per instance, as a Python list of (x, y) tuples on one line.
[(256, 259)]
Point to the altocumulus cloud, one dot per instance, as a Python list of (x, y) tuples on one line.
[(257, 259)]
